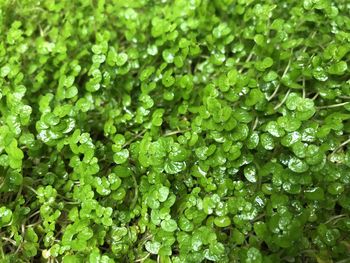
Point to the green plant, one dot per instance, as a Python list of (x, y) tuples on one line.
[(174, 131)]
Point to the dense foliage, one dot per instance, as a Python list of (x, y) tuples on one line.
[(174, 131)]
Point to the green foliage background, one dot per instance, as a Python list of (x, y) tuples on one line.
[(174, 131)]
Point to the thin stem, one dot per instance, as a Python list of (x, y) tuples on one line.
[(134, 138), (247, 60), (283, 100), (136, 192), (279, 84), (9, 240), (308, 251), (255, 123), (343, 261), (143, 259), (1, 250), (333, 105), (315, 97), (334, 218), (145, 239), (41, 31), (249, 57), (311, 37), (34, 224), (19, 192), (18, 248), (304, 92), (67, 200), (175, 132), (32, 189), (34, 214), (340, 146), (259, 217)]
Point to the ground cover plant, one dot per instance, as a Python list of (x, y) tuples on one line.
[(174, 131)]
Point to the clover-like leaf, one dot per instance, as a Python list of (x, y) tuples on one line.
[(121, 156), (338, 68), (174, 131), (169, 225), (121, 59), (297, 165)]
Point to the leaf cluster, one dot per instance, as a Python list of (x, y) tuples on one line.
[(174, 131)]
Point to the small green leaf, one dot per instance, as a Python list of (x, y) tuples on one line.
[(5, 216), (121, 59), (274, 129), (254, 256), (223, 221), (297, 165), (71, 92), (174, 167), (163, 193), (168, 56), (250, 173), (152, 247), (264, 64), (315, 193), (293, 101), (169, 225), (121, 156), (338, 68), (267, 141)]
